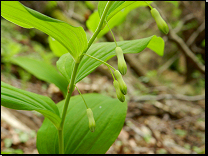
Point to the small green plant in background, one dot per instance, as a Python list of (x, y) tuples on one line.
[(87, 123), (12, 151)]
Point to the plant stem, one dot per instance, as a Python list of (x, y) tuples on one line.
[(68, 96), (61, 141), (100, 61), (82, 97), (111, 33), (148, 4), (111, 73), (101, 23), (99, 27), (72, 85)]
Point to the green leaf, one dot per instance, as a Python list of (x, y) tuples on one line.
[(56, 47), (101, 7), (157, 45), (119, 8), (115, 18), (72, 38), (109, 116), (126, 7), (114, 5), (93, 21), (42, 71), (104, 51), (65, 65), (175, 3), (18, 99)]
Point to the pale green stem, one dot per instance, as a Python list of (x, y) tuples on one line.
[(148, 4), (82, 97), (68, 96), (72, 86), (111, 73), (111, 33), (100, 61), (61, 141), (99, 26)]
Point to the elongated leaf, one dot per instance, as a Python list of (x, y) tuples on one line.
[(104, 51), (126, 7), (119, 8), (56, 47), (114, 5), (43, 71), (15, 98), (72, 38), (65, 65), (101, 7), (109, 116), (115, 18)]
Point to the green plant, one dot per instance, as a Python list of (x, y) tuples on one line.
[(66, 125), (12, 151)]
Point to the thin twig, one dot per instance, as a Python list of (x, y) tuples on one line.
[(183, 21), (195, 34), (168, 63), (185, 49)]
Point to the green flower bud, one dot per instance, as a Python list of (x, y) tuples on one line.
[(121, 82), (120, 95), (91, 120), (121, 62), (162, 25)]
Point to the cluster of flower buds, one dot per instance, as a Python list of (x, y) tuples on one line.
[(162, 25), (119, 84)]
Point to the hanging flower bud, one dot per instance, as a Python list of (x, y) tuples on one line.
[(91, 120), (120, 95), (121, 82), (121, 62), (162, 25)]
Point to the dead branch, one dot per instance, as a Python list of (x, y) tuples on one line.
[(197, 49), (168, 97), (12, 120), (195, 34), (138, 68), (158, 140), (183, 21), (135, 65), (168, 63), (186, 51)]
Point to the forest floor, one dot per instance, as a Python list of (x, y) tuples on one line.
[(166, 115), (166, 124)]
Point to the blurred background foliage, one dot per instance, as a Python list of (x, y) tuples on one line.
[(174, 70)]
